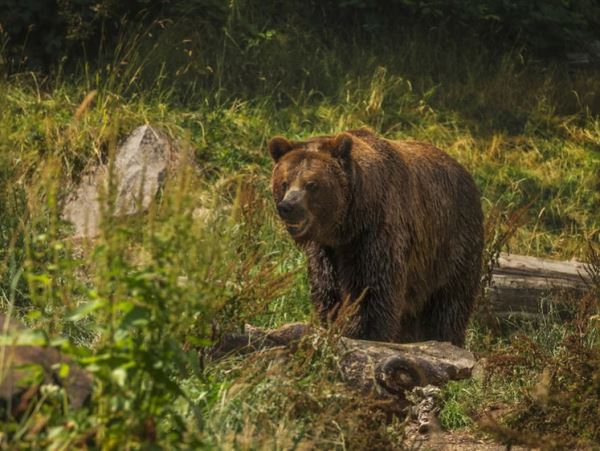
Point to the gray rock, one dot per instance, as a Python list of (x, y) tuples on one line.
[(82, 207), (140, 167)]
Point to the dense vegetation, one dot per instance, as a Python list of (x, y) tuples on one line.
[(221, 79), (42, 33)]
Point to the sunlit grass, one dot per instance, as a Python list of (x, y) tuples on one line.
[(527, 136)]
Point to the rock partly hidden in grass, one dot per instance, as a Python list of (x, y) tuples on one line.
[(24, 369), (140, 166), (385, 370)]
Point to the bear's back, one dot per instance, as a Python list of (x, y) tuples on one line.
[(426, 198)]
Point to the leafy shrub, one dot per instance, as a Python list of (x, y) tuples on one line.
[(41, 33), (542, 26), (136, 306), (559, 390)]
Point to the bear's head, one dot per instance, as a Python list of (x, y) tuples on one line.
[(310, 186)]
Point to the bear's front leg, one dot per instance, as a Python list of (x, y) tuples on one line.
[(370, 273), (374, 317), (324, 287)]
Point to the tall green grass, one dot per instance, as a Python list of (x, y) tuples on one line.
[(134, 305)]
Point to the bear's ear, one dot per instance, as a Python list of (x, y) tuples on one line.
[(341, 146), (278, 147)]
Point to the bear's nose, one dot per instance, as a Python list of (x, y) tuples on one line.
[(284, 208), (290, 208), (289, 211)]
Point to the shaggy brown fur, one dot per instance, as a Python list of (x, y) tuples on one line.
[(395, 224)]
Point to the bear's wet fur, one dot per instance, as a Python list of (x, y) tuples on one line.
[(396, 225)]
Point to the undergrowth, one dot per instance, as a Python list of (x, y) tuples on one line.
[(539, 386), (135, 305)]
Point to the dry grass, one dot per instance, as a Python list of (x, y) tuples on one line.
[(118, 307)]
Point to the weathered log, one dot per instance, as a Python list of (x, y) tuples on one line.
[(383, 369), (24, 368), (521, 283)]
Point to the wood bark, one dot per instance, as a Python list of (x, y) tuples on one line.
[(18, 365), (519, 286), (524, 285), (383, 369)]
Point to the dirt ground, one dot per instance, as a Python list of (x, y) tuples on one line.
[(454, 441)]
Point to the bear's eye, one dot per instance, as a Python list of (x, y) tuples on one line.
[(284, 185), (311, 186)]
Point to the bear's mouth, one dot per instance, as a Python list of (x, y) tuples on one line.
[(298, 229)]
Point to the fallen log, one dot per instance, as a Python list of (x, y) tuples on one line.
[(24, 369), (520, 284), (383, 369)]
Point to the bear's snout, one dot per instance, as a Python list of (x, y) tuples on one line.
[(291, 208)]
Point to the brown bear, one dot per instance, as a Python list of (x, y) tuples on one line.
[(394, 225)]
